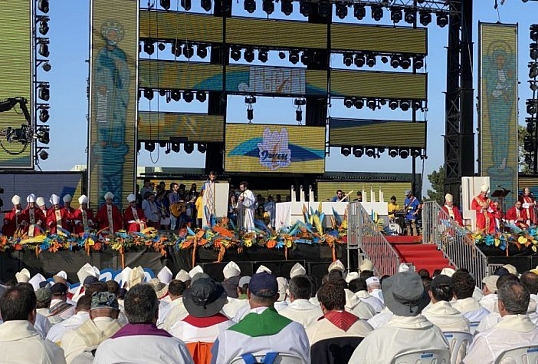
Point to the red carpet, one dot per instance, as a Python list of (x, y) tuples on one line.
[(422, 256)]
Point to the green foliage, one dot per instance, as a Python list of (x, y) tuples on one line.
[(437, 180), (521, 134)]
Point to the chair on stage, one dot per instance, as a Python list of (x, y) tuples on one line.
[(425, 356), (268, 358), (459, 342), (521, 355)]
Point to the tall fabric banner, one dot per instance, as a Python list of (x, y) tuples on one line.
[(113, 99), (498, 108)]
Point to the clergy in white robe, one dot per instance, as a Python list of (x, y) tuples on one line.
[(300, 309), (247, 205), (82, 315)]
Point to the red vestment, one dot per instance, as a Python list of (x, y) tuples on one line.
[(518, 217), (485, 216), (53, 222), (530, 210), (37, 218), (129, 219), (454, 213), (83, 220), (12, 221), (70, 217), (102, 218)]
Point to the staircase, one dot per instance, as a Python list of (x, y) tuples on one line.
[(422, 256)]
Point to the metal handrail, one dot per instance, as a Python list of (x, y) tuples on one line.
[(363, 234), (453, 240)]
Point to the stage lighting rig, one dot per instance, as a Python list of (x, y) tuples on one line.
[(534, 32), (235, 53), (345, 151), (294, 56), (165, 4), (410, 16), (176, 48), (533, 69), (425, 17), (359, 60), (206, 5), (305, 8), (286, 6), (202, 147), (201, 50), (404, 153), (348, 59), (393, 152), (149, 47), (418, 62), (250, 6), (43, 49), (405, 62), (44, 114), (43, 6), (305, 58), (249, 55), (186, 4), (341, 10), (348, 102), (442, 19), (370, 60), (148, 93), (359, 103), (43, 91), (43, 24), (395, 15), (377, 12), (359, 11), (324, 9), (358, 151), (188, 50), (268, 6), (188, 96), (201, 96)]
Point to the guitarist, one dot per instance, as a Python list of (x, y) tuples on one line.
[(411, 208)]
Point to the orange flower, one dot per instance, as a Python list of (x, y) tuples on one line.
[(97, 246), (271, 244), (18, 247)]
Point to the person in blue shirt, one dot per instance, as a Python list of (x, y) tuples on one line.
[(411, 206), (339, 197)]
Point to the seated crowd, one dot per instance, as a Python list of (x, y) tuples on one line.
[(353, 318)]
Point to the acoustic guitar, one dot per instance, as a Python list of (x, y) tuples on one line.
[(178, 208)]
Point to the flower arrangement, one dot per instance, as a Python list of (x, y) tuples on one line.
[(510, 236)]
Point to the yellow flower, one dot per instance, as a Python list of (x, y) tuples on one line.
[(497, 242), (289, 243), (90, 241), (248, 243), (522, 240)]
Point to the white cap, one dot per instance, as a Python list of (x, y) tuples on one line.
[(511, 269), (183, 276), (263, 268), (366, 265), (231, 270), (282, 288), (351, 276), (337, 265), (68, 198), (448, 272), (165, 275), (351, 300), (195, 271), (491, 283), (30, 198), (449, 197), (403, 268), (131, 198), (245, 280), (137, 276), (36, 280), (40, 201), (372, 280), (23, 276), (109, 195), (85, 271), (54, 199), (297, 270), (83, 199), (62, 274), (484, 188), (16, 199)]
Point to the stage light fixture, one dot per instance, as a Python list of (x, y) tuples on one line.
[(305, 8), (149, 146), (416, 152), (43, 155), (167, 150), (533, 86), (148, 93), (299, 115), (43, 25), (250, 6), (359, 103), (348, 59), (395, 15), (201, 96), (380, 150), (263, 54), (395, 61), (404, 153), (281, 55), (161, 46), (44, 91), (345, 151), (372, 104), (410, 16), (324, 9), (533, 70), (425, 17), (370, 60), (250, 100), (531, 127), (534, 51), (418, 62), (359, 11), (201, 50), (44, 47), (404, 105), (206, 5), (186, 4), (305, 58), (188, 96), (384, 59), (188, 147), (286, 7), (348, 102), (235, 53), (188, 50), (176, 48), (43, 6), (294, 56), (393, 152), (358, 151), (393, 104), (44, 115), (532, 106), (417, 105), (165, 4), (534, 32), (359, 60), (162, 144), (442, 19), (341, 10), (46, 67), (377, 12), (268, 6), (202, 147), (175, 95), (249, 55), (405, 62), (370, 152), (149, 47), (176, 147)]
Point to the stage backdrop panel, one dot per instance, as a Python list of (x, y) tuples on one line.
[(498, 106), (274, 148), (16, 78), (113, 102)]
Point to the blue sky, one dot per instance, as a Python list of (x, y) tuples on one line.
[(69, 47)]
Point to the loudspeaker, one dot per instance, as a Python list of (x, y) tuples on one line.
[(318, 270), (279, 268), (215, 269)]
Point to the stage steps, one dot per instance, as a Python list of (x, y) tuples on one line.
[(422, 256)]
